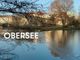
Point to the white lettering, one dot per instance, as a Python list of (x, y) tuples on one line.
[(21, 35)]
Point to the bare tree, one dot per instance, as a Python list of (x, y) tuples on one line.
[(61, 7), (20, 6), (16, 6)]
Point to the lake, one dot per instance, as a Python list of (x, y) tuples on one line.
[(51, 45)]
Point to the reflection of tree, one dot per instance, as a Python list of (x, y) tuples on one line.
[(5, 48), (60, 38), (30, 45), (8, 56), (8, 46), (61, 45)]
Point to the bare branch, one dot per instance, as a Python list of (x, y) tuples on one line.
[(19, 7)]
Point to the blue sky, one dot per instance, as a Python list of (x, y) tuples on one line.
[(45, 3), (76, 5)]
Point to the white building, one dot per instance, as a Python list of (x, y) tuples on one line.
[(13, 20)]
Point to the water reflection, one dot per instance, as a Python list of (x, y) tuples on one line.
[(64, 44), (6, 46), (51, 45), (9, 48)]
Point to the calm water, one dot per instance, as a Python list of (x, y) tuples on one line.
[(51, 45)]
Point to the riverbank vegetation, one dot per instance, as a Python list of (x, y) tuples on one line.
[(29, 15)]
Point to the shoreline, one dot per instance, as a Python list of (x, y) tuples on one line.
[(40, 28)]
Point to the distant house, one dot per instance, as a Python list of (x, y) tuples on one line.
[(13, 20), (30, 19), (6, 20), (39, 14)]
